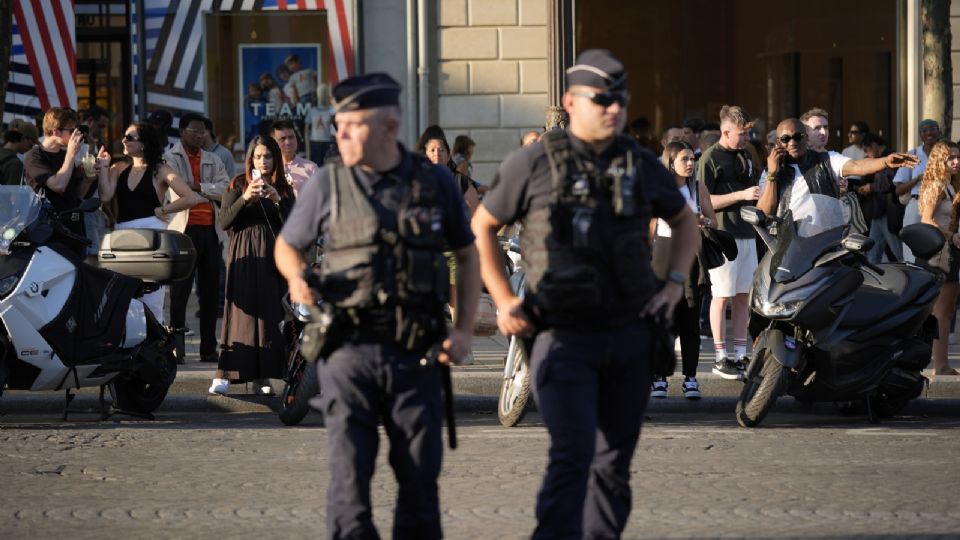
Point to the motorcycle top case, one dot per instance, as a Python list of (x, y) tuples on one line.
[(159, 256)]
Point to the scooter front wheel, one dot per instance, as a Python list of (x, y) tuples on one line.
[(301, 385), (764, 382), (515, 391)]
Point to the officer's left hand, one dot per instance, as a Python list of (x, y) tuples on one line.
[(668, 296), (456, 348)]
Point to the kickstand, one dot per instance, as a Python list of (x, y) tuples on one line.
[(107, 409), (872, 416), (66, 406)]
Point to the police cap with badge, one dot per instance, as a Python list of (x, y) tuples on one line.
[(598, 68), (366, 92)]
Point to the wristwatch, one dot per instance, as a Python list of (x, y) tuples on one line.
[(677, 277)]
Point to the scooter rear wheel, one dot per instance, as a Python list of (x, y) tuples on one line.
[(764, 382), (515, 391), (136, 395)]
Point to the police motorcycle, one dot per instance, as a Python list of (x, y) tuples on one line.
[(67, 325), (515, 388), (832, 326)]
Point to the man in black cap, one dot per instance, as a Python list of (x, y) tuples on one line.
[(385, 216), (586, 196)]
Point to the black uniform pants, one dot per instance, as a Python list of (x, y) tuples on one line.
[(207, 271), (364, 383), (592, 389)]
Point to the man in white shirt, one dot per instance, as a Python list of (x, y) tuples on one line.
[(908, 180), (297, 169), (795, 171)]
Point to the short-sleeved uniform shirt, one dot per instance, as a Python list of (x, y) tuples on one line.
[(524, 182), (311, 213), (725, 171)]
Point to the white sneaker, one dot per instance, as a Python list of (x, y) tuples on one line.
[(659, 388), (220, 386), (266, 389)]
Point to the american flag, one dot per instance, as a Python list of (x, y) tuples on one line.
[(47, 31), (173, 65)]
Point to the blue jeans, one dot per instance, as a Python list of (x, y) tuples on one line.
[(882, 237), (592, 389)]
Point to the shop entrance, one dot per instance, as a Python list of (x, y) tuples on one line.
[(688, 59)]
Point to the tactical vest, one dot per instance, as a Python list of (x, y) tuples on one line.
[(587, 251), (378, 258)]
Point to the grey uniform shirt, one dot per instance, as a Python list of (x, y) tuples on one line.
[(311, 212)]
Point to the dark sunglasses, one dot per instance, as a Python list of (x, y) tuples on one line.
[(854, 132), (605, 99), (785, 139), (130, 138)]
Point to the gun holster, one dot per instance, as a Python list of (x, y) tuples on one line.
[(325, 333)]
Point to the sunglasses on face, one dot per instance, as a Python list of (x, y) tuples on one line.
[(786, 138), (854, 132), (605, 99), (129, 137)]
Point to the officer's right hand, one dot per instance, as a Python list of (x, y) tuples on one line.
[(300, 292), (751, 193), (512, 320)]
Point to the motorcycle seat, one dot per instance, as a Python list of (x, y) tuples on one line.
[(879, 296)]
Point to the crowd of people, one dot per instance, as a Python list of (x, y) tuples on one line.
[(408, 235)]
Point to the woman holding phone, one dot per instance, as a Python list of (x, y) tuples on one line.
[(252, 212), (686, 316)]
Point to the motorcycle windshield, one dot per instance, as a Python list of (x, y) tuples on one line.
[(19, 207), (810, 228)]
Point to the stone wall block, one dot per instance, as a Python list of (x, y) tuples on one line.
[(469, 111), (492, 12), (468, 43), (454, 77), (452, 12), (523, 42), (533, 77), (523, 110), (494, 77)]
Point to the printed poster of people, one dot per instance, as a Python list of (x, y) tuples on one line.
[(277, 81)]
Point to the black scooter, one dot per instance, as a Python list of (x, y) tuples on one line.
[(832, 327)]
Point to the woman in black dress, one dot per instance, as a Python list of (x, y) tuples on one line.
[(252, 213)]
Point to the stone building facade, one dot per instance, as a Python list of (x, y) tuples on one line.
[(491, 74)]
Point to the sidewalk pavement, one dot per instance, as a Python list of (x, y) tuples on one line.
[(476, 385)]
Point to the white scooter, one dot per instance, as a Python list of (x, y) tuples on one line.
[(515, 388), (68, 325)]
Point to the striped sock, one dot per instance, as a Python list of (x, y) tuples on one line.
[(739, 348), (720, 348)]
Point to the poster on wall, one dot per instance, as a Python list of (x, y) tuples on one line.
[(277, 81)]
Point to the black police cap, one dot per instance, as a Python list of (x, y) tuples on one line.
[(598, 68), (366, 92)]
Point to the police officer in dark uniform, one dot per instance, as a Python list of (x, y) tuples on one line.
[(385, 216), (585, 196)]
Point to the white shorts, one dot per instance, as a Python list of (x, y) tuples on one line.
[(735, 277)]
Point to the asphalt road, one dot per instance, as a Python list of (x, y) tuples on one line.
[(808, 474)]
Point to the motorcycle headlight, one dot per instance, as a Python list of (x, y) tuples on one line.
[(781, 310), (7, 284)]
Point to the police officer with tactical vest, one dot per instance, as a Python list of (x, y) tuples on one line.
[(385, 216), (585, 196)]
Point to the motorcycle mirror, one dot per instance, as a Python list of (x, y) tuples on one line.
[(857, 242), (753, 215)]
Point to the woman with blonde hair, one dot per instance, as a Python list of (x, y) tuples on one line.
[(938, 202)]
